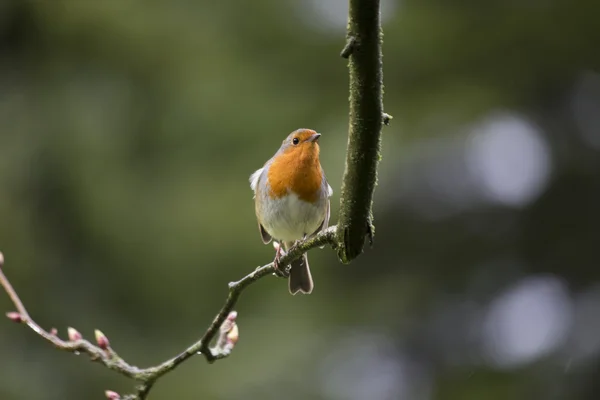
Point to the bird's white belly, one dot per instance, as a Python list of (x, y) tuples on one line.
[(289, 218)]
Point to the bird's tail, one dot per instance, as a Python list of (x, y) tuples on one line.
[(300, 279)]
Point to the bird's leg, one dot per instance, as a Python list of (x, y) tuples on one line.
[(278, 270), (277, 255)]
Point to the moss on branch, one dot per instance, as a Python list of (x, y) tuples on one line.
[(364, 135)]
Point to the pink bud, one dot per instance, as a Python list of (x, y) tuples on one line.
[(74, 334), (233, 335), (14, 316), (101, 339), (53, 331), (1, 258), (112, 395), (232, 316)]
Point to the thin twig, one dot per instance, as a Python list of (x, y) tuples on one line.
[(236, 288), (224, 323)]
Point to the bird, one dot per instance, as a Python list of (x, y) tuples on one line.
[(292, 201)]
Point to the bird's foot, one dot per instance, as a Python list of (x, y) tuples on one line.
[(296, 243), (279, 270)]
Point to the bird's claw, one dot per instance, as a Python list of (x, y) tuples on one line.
[(282, 272), (295, 245), (279, 271)]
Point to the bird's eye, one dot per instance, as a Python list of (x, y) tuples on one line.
[(295, 141)]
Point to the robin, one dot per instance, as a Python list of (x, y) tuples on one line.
[(292, 200)]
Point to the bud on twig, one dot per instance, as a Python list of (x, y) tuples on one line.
[(110, 395), (53, 331), (14, 316), (228, 323), (232, 316), (74, 334), (229, 334), (101, 339), (233, 335), (1, 258)]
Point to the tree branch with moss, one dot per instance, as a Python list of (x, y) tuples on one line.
[(363, 49)]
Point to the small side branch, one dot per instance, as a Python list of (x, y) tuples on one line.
[(387, 118), (349, 47), (223, 328)]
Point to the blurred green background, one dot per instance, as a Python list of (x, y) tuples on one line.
[(128, 130)]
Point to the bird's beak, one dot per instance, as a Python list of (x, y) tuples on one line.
[(314, 138)]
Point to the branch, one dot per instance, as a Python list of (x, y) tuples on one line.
[(363, 48), (224, 325)]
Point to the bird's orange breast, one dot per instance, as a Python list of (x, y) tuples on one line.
[(297, 169)]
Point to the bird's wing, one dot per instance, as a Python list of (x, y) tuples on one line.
[(264, 235), (325, 224), (329, 194), (254, 178), (326, 185)]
